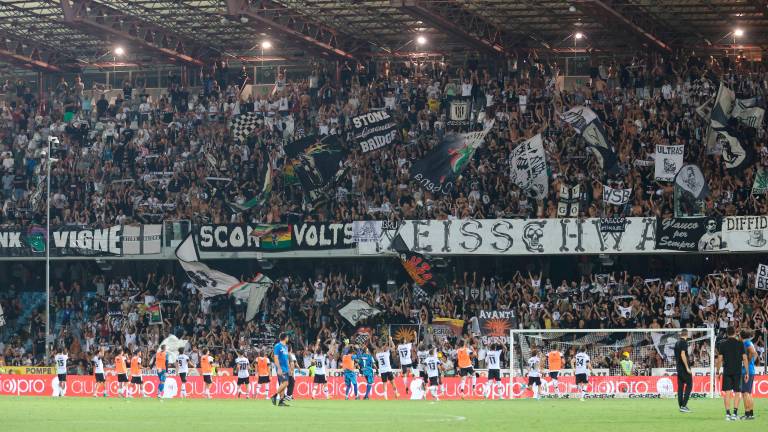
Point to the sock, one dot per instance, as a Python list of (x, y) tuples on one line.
[(346, 393), (488, 390), (500, 391), (735, 411), (160, 388), (474, 381), (354, 385), (557, 388), (368, 389), (535, 392), (325, 391), (727, 412), (433, 390)]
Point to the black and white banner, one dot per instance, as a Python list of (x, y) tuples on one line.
[(366, 231), (590, 127), (761, 279), (312, 236), (142, 239), (568, 201), (690, 234), (618, 196), (358, 310), (528, 165), (735, 156), (459, 113), (691, 180), (2, 316), (374, 130), (242, 237), (746, 233), (613, 225), (669, 160), (518, 237)]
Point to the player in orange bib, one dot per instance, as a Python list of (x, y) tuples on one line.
[(161, 368), (206, 366), (136, 373), (122, 373), (554, 364), (263, 370), (464, 362)]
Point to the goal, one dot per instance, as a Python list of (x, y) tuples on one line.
[(648, 373)]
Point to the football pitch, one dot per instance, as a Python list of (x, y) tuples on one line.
[(115, 415)]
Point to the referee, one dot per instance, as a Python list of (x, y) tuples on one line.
[(684, 376), (731, 356)]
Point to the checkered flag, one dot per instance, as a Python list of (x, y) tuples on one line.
[(243, 125)]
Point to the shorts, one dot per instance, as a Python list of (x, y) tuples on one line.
[(423, 375), (494, 374), (264, 379), (731, 382), (319, 379), (434, 381), (62, 377), (183, 376), (122, 378), (243, 381), (161, 375), (467, 371), (554, 374), (582, 379), (208, 379), (746, 387), (368, 374), (534, 381), (282, 378), (99, 377), (136, 379), (350, 378), (387, 377), (406, 368)]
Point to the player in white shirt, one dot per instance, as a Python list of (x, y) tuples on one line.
[(534, 373), (61, 370), (243, 375), (421, 357), (405, 351), (98, 373), (320, 362), (433, 366), (493, 362), (182, 368), (385, 367), (581, 364)]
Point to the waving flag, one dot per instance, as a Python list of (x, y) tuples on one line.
[(589, 126), (242, 125), (691, 179), (528, 167)]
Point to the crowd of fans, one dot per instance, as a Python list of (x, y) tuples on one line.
[(88, 313), (136, 157)]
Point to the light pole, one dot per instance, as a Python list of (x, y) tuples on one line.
[(48, 162)]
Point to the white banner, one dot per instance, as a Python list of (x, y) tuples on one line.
[(528, 167), (616, 196), (691, 179), (669, 160), (746, 233), (761, 281), (142, 239), (358, 310), (366, 231), (518, 237), (2, 316)]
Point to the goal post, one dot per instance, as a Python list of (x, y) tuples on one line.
[(626, 362)]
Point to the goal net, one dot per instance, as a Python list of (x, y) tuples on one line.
[(625, 362)]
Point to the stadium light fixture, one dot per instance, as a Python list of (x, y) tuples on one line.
[(579, 35), (119, 51), (266, 44), (738, 32), (421, 40)]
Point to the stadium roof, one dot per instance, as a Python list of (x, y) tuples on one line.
[(56, 35)]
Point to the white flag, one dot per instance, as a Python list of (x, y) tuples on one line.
[(358, 310), (691, 179), (528, 167), (669, 160), (259, 287), (172, 345), (616, 196), (723, 107), (748, 113)]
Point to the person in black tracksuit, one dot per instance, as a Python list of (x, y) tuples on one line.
[(684, 376), (731, 356)]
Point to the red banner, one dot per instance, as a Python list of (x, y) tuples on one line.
[(226, 387)]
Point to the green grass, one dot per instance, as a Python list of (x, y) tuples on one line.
[(115, 415)]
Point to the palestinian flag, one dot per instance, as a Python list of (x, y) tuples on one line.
[(155, 314)]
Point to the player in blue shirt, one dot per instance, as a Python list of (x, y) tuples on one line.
[(365, 360), (748, 376), (283, 364)]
